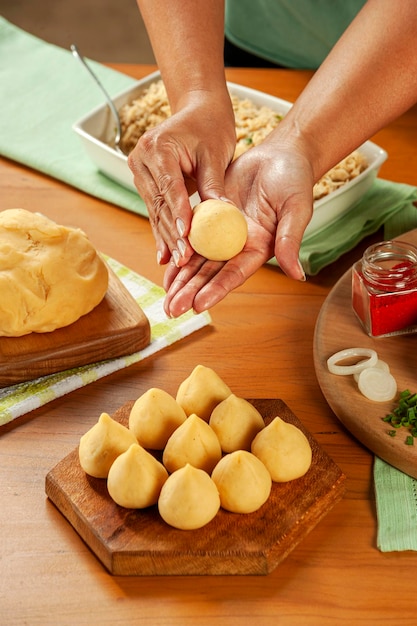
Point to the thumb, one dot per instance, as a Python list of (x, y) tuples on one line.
[(211, 183), (288, 239), (287, 249)]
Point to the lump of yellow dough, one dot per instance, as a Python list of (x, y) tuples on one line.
[(243, 482), (193, 442), (218, 230), (102, 444), (154, 417), (50, 275), (283, 449), (236, 422), (135, 479), (189, 499), (201, 392)]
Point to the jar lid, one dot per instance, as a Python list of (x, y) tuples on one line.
[(391, 265)]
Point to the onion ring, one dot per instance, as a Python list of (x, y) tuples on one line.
[(344, 370), (377, 385), (382, 365)]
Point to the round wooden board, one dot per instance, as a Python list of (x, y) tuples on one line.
[(337, 328)]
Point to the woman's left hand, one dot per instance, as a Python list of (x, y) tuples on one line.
[(272, 184)]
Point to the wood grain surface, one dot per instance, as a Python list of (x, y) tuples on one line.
[(338, 328), (115, 327), (139, 542)]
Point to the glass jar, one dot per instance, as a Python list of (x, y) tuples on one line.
[(384, 289)]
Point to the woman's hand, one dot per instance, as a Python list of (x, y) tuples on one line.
[(272, 184), (190, 150)]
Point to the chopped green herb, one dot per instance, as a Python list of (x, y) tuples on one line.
[(404, 415), (248, 140)]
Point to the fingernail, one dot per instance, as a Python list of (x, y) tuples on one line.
[(303, 277), (181, 246), (176, 257), (158, 257), (180, 226)]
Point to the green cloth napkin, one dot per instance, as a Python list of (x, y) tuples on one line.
[(396, 505), (43, 91), (385, 203), (19, 399)]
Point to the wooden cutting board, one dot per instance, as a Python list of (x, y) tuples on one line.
[(139, 542), (337, 328), (116, 327)]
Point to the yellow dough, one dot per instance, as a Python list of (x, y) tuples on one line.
[(283, 449), (154, 417), (50, 275), (136, 478), (218, 230), (189, 499), (193, 442), (236, 422), (102, 444), (243, 482), (201, 392)]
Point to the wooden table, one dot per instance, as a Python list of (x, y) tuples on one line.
[(260, 342)]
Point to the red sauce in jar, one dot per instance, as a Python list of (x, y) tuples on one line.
[(384, 289)]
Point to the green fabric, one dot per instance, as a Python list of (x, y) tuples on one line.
[(401, 222), (43, 91), (385, 203), (291, 33), (396, 504), (19, 399)]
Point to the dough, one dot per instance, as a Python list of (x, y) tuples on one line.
[(243, 482), (283, 449), (154, 417), (193, 442), (189, 499), (135, 478), (218, 230), (201, 392), (50, 275), (102, 444), (236, 422)]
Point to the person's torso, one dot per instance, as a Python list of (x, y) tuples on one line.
[(292, 33)]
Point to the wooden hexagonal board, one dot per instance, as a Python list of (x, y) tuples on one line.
[(139, 542)]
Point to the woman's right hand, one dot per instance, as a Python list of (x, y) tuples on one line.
[(189, 151)]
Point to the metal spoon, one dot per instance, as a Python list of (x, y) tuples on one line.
[(110, 102)]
